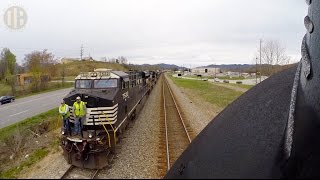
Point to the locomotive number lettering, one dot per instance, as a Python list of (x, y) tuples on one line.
[(125, 95)]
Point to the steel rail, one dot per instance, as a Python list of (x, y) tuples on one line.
[(166, 128), (182, 121), (67, 172)]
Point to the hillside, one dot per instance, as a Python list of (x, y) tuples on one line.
[(74, 68), (153, 66)]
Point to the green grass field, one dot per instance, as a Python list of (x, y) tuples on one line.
[(231, 78), (216, 95), (244, 86)]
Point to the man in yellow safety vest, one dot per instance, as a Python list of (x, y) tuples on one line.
[(79, 112), (64, 112)]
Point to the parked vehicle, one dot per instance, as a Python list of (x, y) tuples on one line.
[(6, 99), (225, 81)]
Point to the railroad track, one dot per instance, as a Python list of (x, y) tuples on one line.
[(77, 173), (175, 133), (74, 172)]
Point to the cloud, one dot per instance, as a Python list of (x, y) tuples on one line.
[(154, 31)]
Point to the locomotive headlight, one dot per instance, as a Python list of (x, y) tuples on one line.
[(90, 135), (62, 132), (90, 146)]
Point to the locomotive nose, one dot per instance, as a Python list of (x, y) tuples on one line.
[(91, 100)]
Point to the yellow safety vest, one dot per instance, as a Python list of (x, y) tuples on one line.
[(78, 108), (62, 108)]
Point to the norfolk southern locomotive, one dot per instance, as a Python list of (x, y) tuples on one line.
[(112, 99)]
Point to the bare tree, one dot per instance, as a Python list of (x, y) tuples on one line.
[(41, 64), (273, 53), (122, 60)]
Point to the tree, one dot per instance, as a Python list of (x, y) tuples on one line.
[(123, 60), (273, 53), (8, 64), (40, 64)]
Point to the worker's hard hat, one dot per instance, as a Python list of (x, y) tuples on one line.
[(78, 98)]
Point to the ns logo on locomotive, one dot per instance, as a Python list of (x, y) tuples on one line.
[(112, 99)]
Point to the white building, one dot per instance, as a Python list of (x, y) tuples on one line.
[(205, 71)]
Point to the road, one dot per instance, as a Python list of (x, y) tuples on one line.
[(23, 108)]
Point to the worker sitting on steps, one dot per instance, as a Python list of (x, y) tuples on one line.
[(64, 111), (79, 112)]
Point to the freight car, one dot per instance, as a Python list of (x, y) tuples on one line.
[(112, 100)]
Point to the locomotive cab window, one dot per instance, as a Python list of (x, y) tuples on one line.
[(105, 83), (84, 83)]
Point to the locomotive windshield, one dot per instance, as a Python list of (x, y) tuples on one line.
[(84, 83), (105, 83)]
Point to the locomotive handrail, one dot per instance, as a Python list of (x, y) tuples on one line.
[(106, 132), (114, 134)]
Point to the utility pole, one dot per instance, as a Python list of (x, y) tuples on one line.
[(63, 73), (81, 52), (256, 70), (260, 59), (215, 71)]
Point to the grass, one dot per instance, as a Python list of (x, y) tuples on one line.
[(7, 134), (67, 78), (231, 78), (8, 131), (4, 89), (216, 95), (244, 86), (33, 158)]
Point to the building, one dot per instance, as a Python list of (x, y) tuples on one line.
[(206, 71), (26, 79)]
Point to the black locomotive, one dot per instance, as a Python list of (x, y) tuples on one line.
[(112, 99)]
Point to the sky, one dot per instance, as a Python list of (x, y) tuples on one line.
[(182, 32)]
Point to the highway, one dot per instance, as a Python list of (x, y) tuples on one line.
[(23, 108)]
